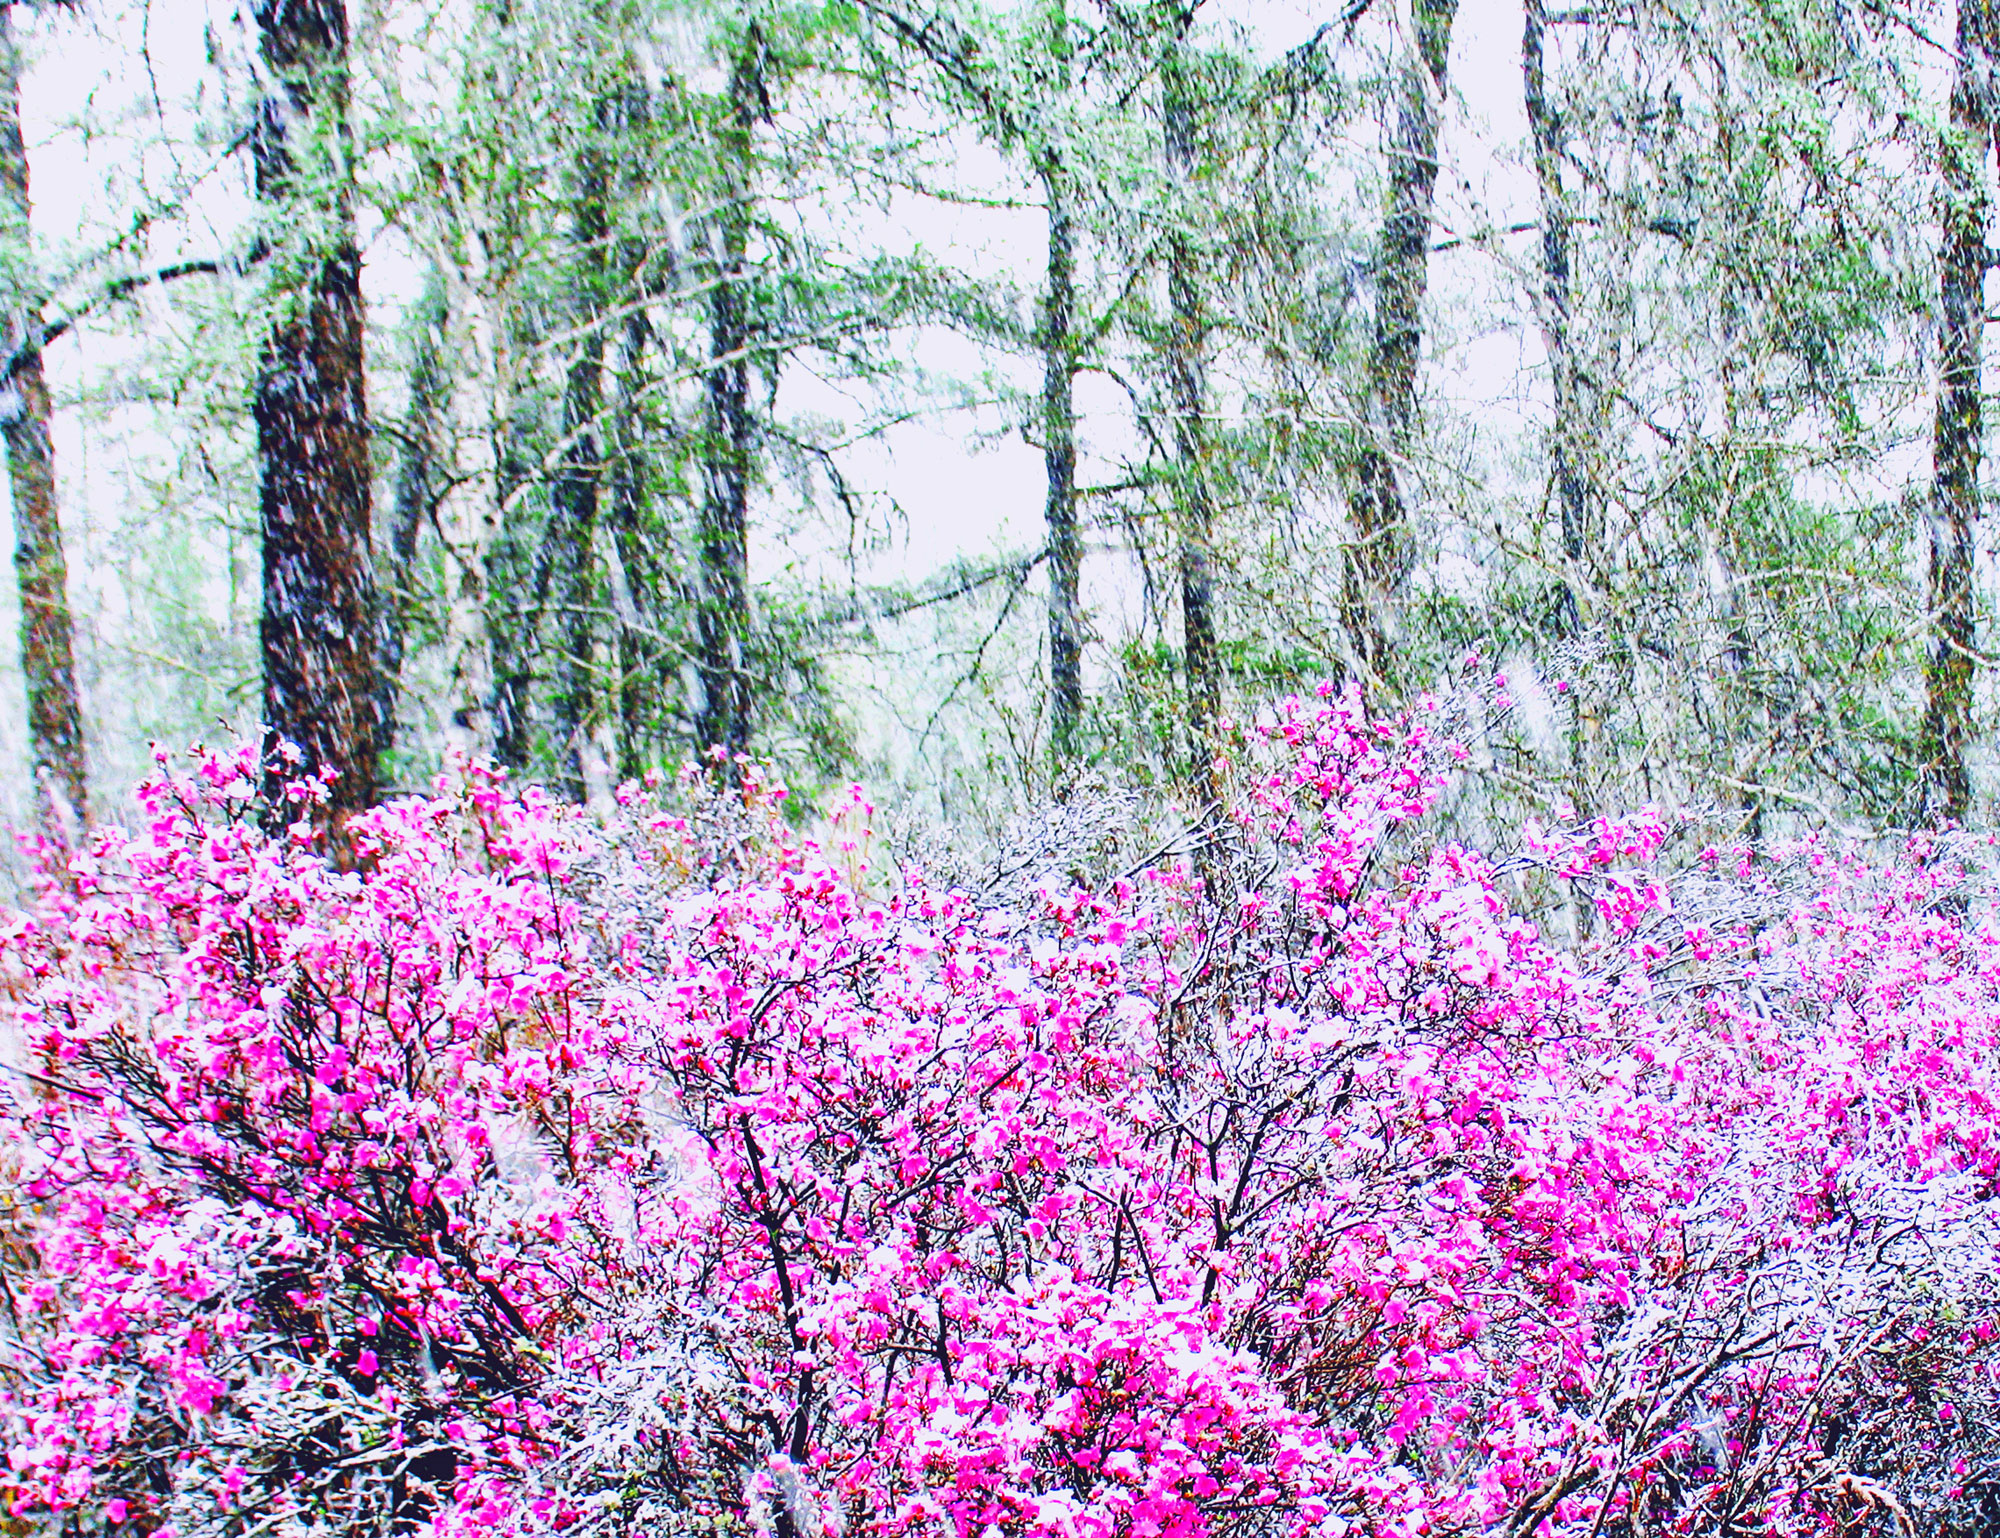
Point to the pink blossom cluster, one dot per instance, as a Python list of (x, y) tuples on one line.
[(538, 1178)]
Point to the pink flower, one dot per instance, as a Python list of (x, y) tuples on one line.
[(1295, 1185)]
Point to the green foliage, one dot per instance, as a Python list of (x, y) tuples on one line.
[(1745, 339)]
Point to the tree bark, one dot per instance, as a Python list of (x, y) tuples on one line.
[(471, 513), (1059, 461), (633, 579), (723, 719), (1187, 377), (1059, 431), (1958, 433), (1377, 504), (310, 405), (492, 625), (514, 581), (1565, 449), (632, 571), (55, 721), (416, 478), (574, 499)]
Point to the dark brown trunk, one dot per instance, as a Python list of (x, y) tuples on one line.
[(310, 405), (1059, 461), (1187, 376), (1958, 435), (1565, 467), (723, 718), (1377, 504), (55, 723)]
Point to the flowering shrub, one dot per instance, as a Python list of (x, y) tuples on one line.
[(536, 1179)]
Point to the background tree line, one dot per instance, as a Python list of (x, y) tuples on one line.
[(983, 397)]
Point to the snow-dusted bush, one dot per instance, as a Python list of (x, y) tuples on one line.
[(538, 1178)]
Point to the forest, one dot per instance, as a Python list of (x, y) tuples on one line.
[(984, 403), (1060, 769)]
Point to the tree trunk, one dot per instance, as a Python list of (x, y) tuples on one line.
[(416, 478), (55, 723), (310, 405), (489, 633), (723, 621), (1565, 448), (632, 577), (1059, 436), (1957, 439), (513, 586), (470, 515), (1187, 376), (573, 501), (1377, 504), (1059, 460), (631, 571)]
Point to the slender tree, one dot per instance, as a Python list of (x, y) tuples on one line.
[(723, 622), (637, 560), (574, 498), (1958, 434), (492, 210), (418, 478), (1031, 122), (318, 632), (1377, 503), (55, 722), (1187, 389), (1566, 472), (1732, 300), (1058, 346)]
